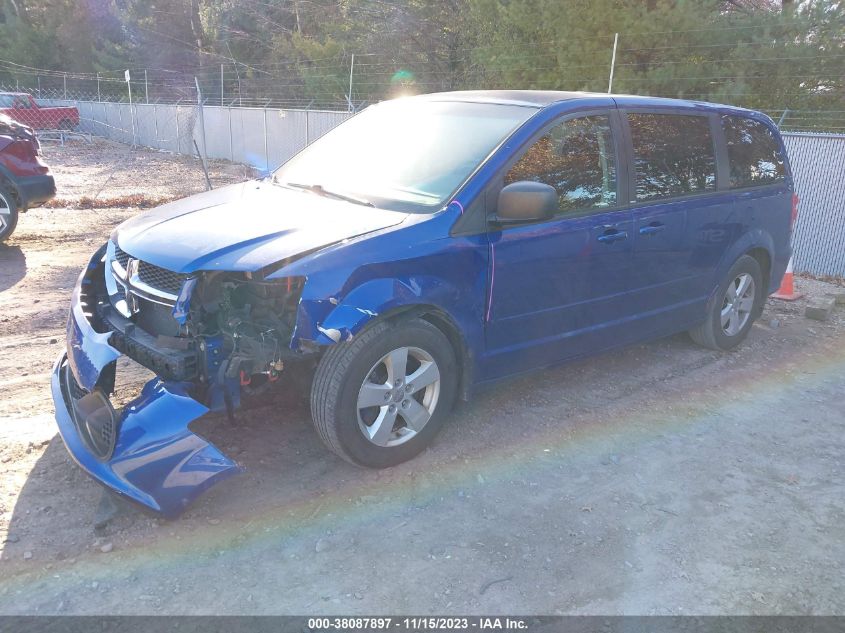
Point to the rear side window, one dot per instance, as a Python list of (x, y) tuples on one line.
[(673, 155), (578, 159), (753, 152)]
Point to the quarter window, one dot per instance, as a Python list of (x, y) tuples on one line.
[(673, 155), (578, 159), (753, 152)]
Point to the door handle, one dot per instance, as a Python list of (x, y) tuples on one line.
[(651, 229), (615, 236)]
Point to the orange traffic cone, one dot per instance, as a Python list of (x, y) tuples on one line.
[(787, 288)]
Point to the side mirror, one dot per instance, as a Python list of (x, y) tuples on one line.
[(526, 201)]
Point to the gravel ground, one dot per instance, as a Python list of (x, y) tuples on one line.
[(659, 479)]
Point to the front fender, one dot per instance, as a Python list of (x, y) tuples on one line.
[(344, 319)]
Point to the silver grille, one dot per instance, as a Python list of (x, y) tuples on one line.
[(152, 275), (121, 256), (160, 278), (130, 278)]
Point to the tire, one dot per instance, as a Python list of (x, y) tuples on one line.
[(65, 124), (8, 213), (740, 310), (407, 416)]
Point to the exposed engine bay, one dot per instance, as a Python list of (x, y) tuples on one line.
[(254, 318), (222, 331)]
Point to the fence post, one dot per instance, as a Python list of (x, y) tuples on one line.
[(266, 152), (612, 64), (120, 114), (146, 87), (351, 68), (204, 155), (98, 87), (307, 117), (231, 141), (64, 81), (131, 108), (39, 85)]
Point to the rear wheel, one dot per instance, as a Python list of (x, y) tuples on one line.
[(734, 307), (379, 399), (8, 213), (66, 124)]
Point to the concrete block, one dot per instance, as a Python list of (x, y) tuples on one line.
[(819, 308), (838, 295)]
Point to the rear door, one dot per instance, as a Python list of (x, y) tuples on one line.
[(757, 175), (683, 224), (558, 288)]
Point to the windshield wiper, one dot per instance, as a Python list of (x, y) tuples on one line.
[(320, 191)]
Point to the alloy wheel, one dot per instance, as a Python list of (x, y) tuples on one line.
[(737, 304), (398, 396), (5, 212)]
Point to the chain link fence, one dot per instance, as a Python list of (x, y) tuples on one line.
[(263, 138)]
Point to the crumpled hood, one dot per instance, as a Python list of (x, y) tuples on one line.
[(245, 227)]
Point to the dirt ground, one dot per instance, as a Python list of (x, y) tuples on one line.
[(659, 479)]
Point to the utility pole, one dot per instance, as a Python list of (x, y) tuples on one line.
[(612, 64)]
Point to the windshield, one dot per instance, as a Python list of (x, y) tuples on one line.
[(406, 155)]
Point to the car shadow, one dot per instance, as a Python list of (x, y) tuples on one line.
[(12, 266)]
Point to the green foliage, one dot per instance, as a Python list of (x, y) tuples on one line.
[(770, 54)]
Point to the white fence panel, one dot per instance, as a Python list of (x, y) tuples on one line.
[(145, 125), (167, 127), (321, 122), (249, 142), (286, 134), (818, 165), (217, 137)]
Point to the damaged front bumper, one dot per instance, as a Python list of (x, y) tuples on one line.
[(153, 459)]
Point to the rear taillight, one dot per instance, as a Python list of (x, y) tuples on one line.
[(794, 211)]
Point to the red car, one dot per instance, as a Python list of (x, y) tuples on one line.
[(23, 108), (25, 179)]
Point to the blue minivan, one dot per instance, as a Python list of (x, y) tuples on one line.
[(425, 247)]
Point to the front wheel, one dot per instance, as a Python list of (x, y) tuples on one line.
[(733, 308), (379, 399), (8, 213)]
